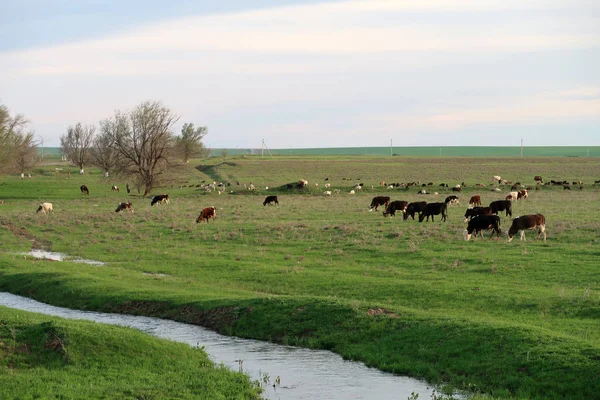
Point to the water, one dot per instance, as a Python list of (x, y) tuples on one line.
[(303, 373), (49, 255)]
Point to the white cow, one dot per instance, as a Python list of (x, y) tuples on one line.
[(45, 208)]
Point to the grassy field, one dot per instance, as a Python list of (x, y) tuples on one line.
[(513, 319)]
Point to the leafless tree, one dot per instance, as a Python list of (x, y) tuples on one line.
[(103, 153), (189, 144), (76, 144), (26, 153), (144, 141), (12, 134)]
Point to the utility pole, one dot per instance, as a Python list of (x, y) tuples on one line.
[(521, 148), (391, 149)]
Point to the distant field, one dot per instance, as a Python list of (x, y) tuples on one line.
[(558, 151)]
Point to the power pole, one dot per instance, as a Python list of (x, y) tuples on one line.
[(521, 148), (391, 148)]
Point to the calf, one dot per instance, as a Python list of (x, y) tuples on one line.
[(432, 209), (451, 200), (45, 208), (535, 221), (538, 179), (124, 206), (501, 205), (483, 223), (84, 190), (412, 208), (396, 205), (160, 198), (476, 211), (379, 201), (206, 214), (114, 188), (475, 201), (270, 200)]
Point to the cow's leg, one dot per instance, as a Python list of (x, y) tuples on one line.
[(523, 235)]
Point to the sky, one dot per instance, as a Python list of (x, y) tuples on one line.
[(314, 73)]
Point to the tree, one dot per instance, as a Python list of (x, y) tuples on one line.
[(143, 140), (12, 134), (76, 144), (189, 144), (26, 153), (103, 153)]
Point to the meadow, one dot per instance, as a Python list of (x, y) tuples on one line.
[(509, 320)]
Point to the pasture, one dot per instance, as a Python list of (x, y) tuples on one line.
[(506, 319)]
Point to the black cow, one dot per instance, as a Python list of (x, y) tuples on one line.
[(432, 209), (501, 205), (84, 190), (270, 200), (160, 198), (396, 205), (535, 221), (451, 200), (482, 223), (379, 201), (412, 208), (476, 211)]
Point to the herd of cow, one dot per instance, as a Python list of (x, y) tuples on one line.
[(478, 218)]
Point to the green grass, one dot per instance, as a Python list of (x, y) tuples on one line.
[(48, 357), (513, 319)]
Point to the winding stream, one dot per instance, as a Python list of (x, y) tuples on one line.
[(303, 373)]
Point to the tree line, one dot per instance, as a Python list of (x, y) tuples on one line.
[(138, 144)]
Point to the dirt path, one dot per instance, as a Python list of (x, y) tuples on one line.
[(36, 243)]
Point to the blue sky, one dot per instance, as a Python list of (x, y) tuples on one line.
[(313, 73)]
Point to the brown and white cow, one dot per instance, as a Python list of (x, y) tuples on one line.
[(475, 201), (522, 194), (160, 198), (124, 206), (512, 196), (45, 208), (538, 179), (114, 188), (521, 224), (396, 205), (379, 201), (451, 200), (206, 214)]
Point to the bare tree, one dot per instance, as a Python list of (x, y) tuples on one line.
[(76, 144), (12, 133), (143, 140), (189, 144), (26, 153), (103, 153)]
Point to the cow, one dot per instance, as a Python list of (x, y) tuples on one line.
[(379, 201), (412, 208), (206, 214), (538, 179), (160, 198), (497, 178), (124, 206), (512, 196), (327, 193), (451, 200), (476, 211), (534, 221), (456, 188), (432, 209), (396, 205), (302, 183), (271, 200), (483, 223), (475, 201), (114, 188), (501, 205), (129, 190), (566, 187), (45, 208), (522, 194), (84, 190)]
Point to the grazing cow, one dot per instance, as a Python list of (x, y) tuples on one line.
[(270, 200), (501, 205), (522, 194), (451, 200), (535, 221), (160, 198), (412, 208), (84, 190), (45, 208), (512, 196), (497, 178), (456, 188), (475, 201), (352, 192), (327, 193), (206, 214), (432, 209), (328, 186), (379, 201), (538, 179), (483, 223), (114, 188), (396, 205), (566, 187), (124, 206), (382, 183), (476, 211), (302, 183)]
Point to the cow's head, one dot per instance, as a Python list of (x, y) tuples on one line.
[(40, 208)]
